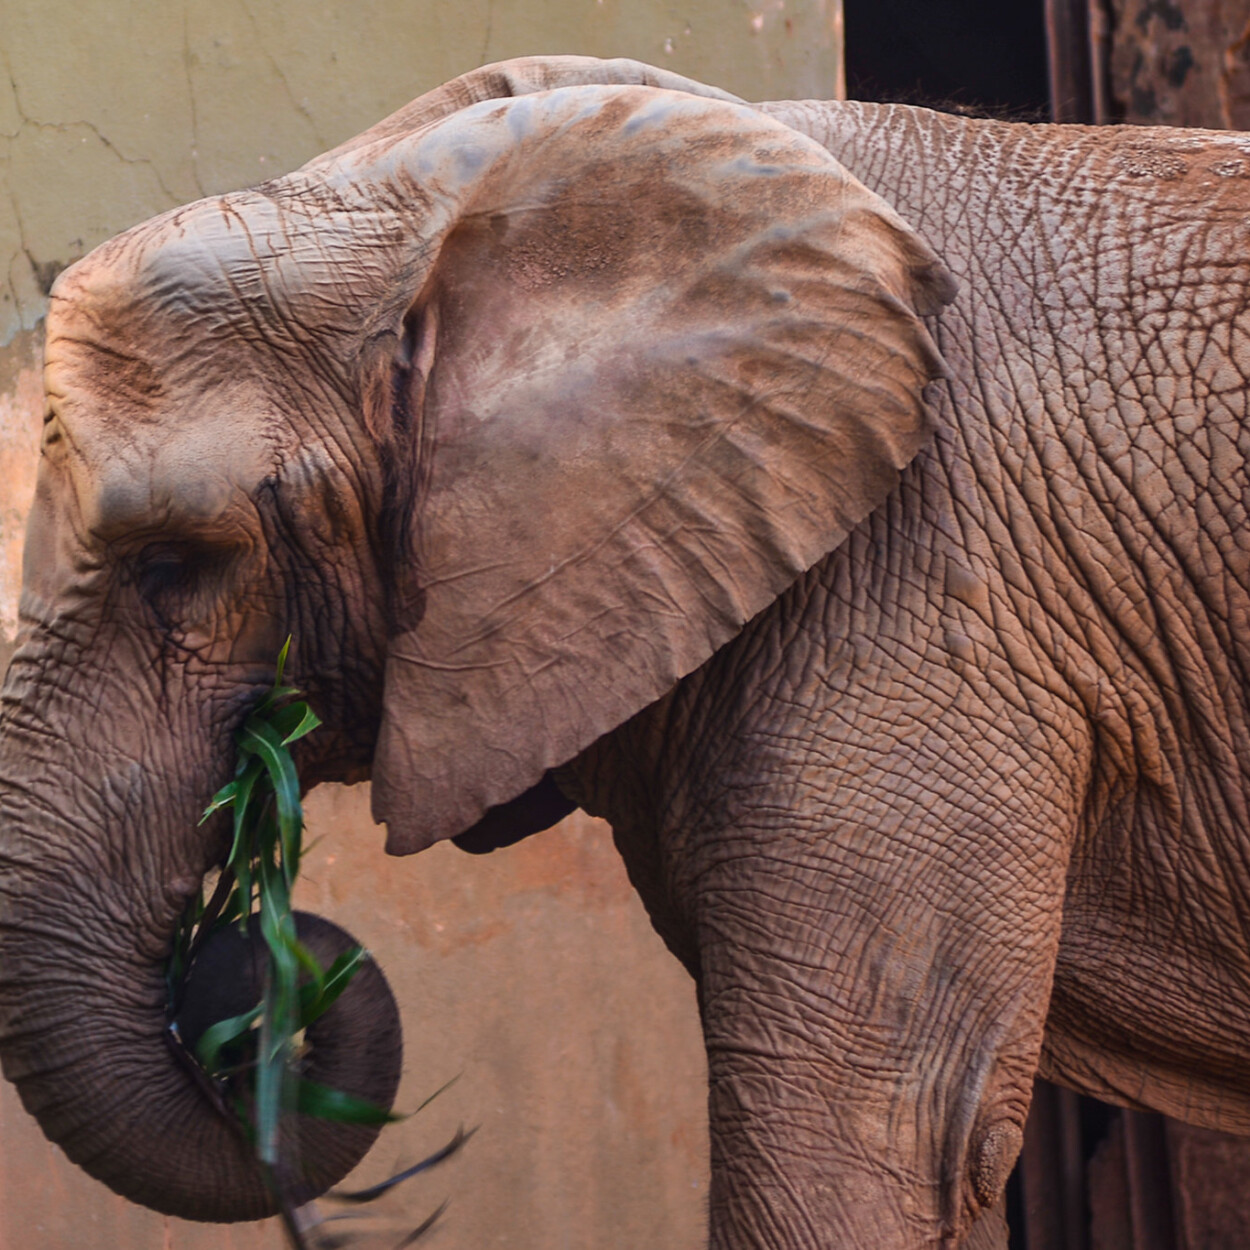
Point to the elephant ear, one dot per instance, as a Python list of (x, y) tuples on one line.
[(650, 357)]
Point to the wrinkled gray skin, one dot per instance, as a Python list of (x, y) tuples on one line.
[(961, 793)]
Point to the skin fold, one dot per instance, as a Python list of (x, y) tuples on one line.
[(845, 501)]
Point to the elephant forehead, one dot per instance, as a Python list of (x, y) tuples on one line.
[(193, 477), (118, 368), (142, 444), (204, 284)]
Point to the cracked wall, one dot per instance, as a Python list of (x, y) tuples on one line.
[(532, 974), (110, 113)]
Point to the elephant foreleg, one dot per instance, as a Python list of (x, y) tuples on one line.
[(990, 1232), (871, 894), (873, 983)]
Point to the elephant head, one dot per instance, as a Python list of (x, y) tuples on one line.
[(345, 405)]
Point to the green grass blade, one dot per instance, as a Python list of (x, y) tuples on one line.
[(244, 794), (314, 1005), (294, 722), (208, 1048), (260, 738), (241, 901), (273, 698), (333, 1104), (270, 1079), (442, 1089), (311, 965), (277, 927), (281, 669), (223, 798), (308, 722), (278, 1016)]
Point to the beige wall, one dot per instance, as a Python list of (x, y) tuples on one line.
[(532, 975), (112, 110)]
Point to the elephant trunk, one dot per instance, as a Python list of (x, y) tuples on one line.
[(89, 904), (84, 1037)]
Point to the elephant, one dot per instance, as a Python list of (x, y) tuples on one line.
[(845, 501)]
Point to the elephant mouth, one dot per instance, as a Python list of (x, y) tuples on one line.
[(354, 1049)]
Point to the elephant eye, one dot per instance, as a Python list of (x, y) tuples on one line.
[(172, 579), (163, 569)]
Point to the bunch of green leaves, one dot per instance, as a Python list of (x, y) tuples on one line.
[(255, 1054)]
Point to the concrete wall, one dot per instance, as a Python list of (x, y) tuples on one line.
[(112, 110), (532, 975)]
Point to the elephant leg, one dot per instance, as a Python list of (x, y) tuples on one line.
[(873, 984), (990, 1232), (871, 878)]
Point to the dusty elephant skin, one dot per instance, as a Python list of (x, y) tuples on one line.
[(593, 431)]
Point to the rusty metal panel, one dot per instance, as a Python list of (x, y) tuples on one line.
[(1068, 55), (1210, 1175), (1094, 1177), (1052, 1172), (1182, 62)]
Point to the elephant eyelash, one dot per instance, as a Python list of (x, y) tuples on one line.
[(166, 574), (159, 567)]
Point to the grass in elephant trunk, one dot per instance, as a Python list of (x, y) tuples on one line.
[(249, 1063)]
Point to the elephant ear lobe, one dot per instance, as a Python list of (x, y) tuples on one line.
[(661, 358)]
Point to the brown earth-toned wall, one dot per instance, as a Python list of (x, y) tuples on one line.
[(531, 975)]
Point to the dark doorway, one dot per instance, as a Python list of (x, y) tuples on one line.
[(976, 55)]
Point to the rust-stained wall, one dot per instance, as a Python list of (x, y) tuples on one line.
[(21, 408), (532, 974), (533, 977)]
